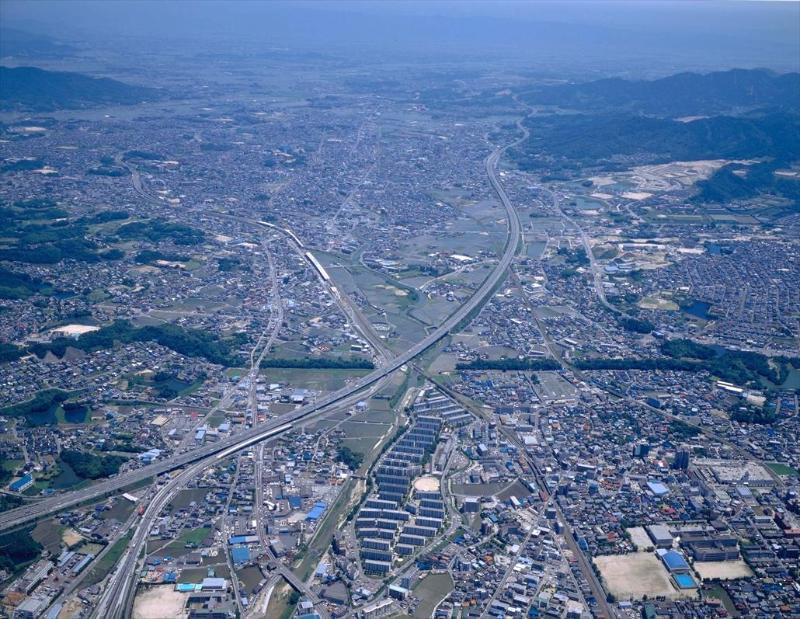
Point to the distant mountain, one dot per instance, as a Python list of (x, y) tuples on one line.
[(684, 94), (20, 43), (36, 89), (619, 140)]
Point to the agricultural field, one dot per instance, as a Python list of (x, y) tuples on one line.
[(314, 379), (104, 564)]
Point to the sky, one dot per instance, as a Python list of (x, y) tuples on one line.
[(718, 33)]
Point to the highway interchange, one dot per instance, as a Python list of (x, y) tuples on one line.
[(117, 598), (207, 453)]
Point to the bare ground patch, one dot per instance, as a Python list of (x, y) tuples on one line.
[(158, 602), (722, 570), (634, 575)]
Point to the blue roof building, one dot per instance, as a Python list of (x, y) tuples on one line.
[(316, 511), (22, 484), (657, 488), (235, 540), (240, 554), (674, 560)]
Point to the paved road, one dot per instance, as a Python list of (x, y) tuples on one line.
[(597, 271), (28, 513), (117, 599), (118, 596), (602, 610)]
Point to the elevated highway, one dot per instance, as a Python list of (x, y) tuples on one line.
[(207, 453)]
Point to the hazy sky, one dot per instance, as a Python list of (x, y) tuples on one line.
[(729, 33)]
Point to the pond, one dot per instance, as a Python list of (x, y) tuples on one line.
[(66, 478), (700, 309)]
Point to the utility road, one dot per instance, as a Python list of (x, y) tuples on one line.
[(279, 425), (117, 599)]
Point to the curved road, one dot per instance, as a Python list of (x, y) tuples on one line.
[(118, 598), (206, 453)]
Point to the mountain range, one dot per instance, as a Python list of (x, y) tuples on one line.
[(30, 88), (683, 94)]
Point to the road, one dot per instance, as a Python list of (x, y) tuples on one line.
[(237, 594), (121, 589), (261, 531), (603, 609), (117, 598), (512, 242), (206, 453)]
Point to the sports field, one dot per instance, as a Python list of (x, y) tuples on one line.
[(634, 575)]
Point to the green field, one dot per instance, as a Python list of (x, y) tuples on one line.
[(716, 591), (11, 465), (362, 445), (431, 590), (178, 547), (185, 497), (315, 379), (250, 576), (48, 534), (106, 563), (361, 429), (120, 511), (194, 536), (487, 489), (783, 469), (194, 574)]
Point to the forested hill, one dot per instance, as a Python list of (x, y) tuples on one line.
[(29, 88), (580, 139), (683, 94)]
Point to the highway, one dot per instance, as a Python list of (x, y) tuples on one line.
[(27, 513), (117, 600), (597, 271), (118, 596)]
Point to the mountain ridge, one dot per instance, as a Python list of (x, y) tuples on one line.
[(31, 88), (681, 94)]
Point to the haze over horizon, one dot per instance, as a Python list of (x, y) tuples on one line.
[(616, 37)]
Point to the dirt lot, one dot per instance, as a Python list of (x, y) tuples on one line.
[(723, 570), (635, 575), (640, 538), (159, 602), (71, 537)]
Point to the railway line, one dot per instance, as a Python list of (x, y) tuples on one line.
[(207, 453)]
